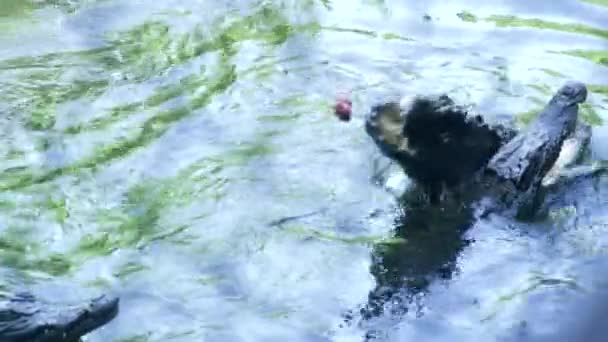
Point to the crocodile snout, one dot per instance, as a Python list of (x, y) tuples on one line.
[(574, 92)]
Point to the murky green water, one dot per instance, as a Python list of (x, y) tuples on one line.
[(147, 146)]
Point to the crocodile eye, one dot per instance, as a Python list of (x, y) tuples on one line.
[(569, 91)]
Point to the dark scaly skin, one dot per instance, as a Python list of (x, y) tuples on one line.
[(527, 158), (435, 234), (444, 149), (25, 318), (438, 144), (515, 174)]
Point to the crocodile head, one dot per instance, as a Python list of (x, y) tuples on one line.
[(24, 318), (435, 141)]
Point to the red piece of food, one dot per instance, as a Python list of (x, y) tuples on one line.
[(343, 109)]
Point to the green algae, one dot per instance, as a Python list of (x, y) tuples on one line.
[(553, 73), (68, 6), (15, 8), (364, 32), (467, 17), (137, 338), (30, 256), (597, 2), (395, 36), (42, 118), (192, 46), (587, 114), (535, 282), (287, 117), (136, 223), (44, 94), (598, 89), (150, 130), (59, 207), (515, 21), (500, 72), (144, 51), (598, 56), (308, 232), (128, 269), (141, 53), (542, 88)]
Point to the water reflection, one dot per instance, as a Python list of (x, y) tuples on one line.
[(433, 238)]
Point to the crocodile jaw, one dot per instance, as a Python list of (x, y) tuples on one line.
[(385, 125)]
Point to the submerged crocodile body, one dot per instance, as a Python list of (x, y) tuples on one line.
[(24, 318), (447, 151)]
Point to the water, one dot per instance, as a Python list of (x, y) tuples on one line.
[(147, 146)]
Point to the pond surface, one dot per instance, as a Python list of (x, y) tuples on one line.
[(147, 146)]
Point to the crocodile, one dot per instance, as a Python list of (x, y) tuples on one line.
[(23, 317), (462, 168), (447, 151)]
